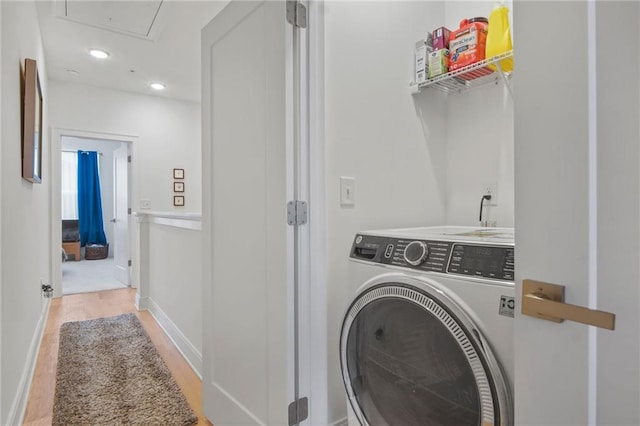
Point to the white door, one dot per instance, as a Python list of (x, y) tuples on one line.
[(577, 97), (249, 355), (121, 215)]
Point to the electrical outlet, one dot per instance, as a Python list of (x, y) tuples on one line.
[(47, 290), (145, 204), (491, 188)]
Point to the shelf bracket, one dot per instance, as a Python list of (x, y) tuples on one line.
[(504, 79)]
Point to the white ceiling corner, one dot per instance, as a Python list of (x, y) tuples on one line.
[(148, 41)]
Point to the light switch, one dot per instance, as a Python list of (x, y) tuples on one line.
[(347, 191)]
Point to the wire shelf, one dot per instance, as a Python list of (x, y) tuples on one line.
[(471, 76)]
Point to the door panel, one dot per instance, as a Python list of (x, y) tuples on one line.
[(577, 198), (247, 359), (121, 215), (618, 270), (551, 164)]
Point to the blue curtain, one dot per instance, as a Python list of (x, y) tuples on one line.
[(89, 200)]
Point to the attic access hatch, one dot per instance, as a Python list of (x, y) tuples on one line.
[(133, 18)]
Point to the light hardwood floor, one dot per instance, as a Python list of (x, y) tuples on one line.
[(80, 307)]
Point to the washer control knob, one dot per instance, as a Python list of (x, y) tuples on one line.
[(415, 253)]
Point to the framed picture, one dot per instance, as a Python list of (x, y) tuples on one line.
[(31, 123), (178, 200), (178, 173), (178, 186)]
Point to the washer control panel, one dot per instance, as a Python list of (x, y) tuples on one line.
[(483, 261), (472, 259)]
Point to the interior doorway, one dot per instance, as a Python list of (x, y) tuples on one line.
[(91, 265)]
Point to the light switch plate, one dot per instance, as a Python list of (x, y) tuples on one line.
[(347, 191)]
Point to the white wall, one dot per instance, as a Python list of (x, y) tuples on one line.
[(480, 152), (24, 212), (106, 149), (479, 140), (415, 162), (391, 142), (175, 284), (1, 204), (168, 137)]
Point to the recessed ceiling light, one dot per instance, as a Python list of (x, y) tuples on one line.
[(157, 86), (100, 54)]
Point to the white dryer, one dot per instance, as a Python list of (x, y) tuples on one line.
[(428, 335)]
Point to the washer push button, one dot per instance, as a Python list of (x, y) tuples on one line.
[(388, 251)]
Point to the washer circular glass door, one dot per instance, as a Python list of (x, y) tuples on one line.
[(409, 358)]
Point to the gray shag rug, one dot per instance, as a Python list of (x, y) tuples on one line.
[(110, 373)]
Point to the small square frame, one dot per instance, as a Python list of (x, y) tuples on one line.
[(178, 200), (178, 186), (178, 173)]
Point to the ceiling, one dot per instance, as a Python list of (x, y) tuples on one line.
[(148, 41)]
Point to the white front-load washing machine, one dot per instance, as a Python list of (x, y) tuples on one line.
[(427, 338)]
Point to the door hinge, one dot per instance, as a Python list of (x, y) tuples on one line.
[(129, 210), (298, 411), (296, 213), (296, 14), (128, 158), (129, 262)]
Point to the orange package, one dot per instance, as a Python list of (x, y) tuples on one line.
[(467, 43)]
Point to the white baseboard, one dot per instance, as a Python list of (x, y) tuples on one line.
[(141, 303), (189, 352), (17, 410)]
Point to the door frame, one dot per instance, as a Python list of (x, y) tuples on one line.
[(129, 211), (311, 341), (316, 286), (55, 216)]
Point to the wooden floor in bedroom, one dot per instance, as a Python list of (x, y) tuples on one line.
[(80, 307)]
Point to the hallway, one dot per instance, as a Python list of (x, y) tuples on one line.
[(95, 305)]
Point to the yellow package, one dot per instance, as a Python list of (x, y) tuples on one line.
[(499, 38)]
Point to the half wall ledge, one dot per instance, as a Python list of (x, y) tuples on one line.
[(176, 220)]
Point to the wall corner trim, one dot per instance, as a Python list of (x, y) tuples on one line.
[(141, 303), (17, 409)]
